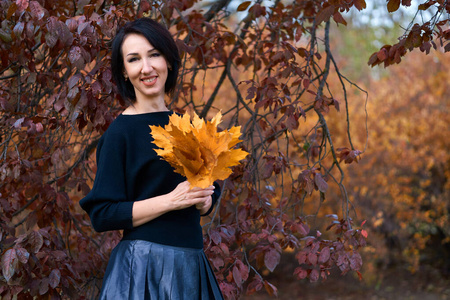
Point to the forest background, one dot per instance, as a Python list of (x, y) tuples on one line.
[(343, 108)]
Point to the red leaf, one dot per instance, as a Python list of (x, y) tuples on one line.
[(37, 11), (364, 233), (254, 286), (54, 278), (9, 264), (337, 17), (237, 276), (301, 257), (36, 241), (217, 262), (243, 269), (355, 261), (324, 255), (292, 122), (271, 259), (74, 80), (22, 5), (303, 229), (359, 275), (382, 54), (406, 2), (257, 10), (59, 255), (22, 254), (43, 286), (215, 237), (325, 14), (314, 275), (312, 259), (300, 273), (76, 57), (322, 185)]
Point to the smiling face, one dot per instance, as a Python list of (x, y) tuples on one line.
[(145, 67)]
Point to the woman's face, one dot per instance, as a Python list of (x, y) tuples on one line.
[(145, 67)]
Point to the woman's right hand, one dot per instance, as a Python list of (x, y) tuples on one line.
[(181, 197)]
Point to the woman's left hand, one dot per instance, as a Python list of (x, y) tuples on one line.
[(205, 204)]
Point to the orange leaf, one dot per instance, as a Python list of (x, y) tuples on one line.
[(196, 150)]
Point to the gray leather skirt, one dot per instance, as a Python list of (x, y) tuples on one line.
[(145, 270)]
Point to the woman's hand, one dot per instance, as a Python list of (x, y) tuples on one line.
[(183, 196)]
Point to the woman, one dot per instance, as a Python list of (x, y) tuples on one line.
[(161, 253)]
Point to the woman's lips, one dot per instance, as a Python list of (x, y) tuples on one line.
[(149, 81)]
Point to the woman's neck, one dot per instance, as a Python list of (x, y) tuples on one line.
[(141, 107)]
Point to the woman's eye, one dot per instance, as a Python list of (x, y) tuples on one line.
[(156, 54), (132, 59)]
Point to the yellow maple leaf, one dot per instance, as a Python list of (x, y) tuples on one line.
[(196, 150)]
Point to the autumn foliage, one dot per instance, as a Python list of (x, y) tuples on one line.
[(269, 72), (197, 150)]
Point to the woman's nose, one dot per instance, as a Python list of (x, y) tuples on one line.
[(146, 66)]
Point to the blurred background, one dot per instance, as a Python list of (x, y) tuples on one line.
[(57, 99)]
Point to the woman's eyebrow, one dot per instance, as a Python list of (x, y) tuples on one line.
[(133, 53)]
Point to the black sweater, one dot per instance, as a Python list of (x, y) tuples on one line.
[(129, 170)]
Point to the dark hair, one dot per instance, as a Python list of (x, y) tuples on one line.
[(160, 38)]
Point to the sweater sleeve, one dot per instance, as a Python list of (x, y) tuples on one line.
[(107, 203)]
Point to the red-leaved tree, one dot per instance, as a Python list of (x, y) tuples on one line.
[(265, 66)]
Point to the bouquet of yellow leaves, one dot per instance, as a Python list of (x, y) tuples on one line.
[(197, 150)]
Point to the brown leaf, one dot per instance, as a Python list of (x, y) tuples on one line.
[(393, 5), (338, 18), (244, 5), (359, 4), (270, 288), (325, 14)]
